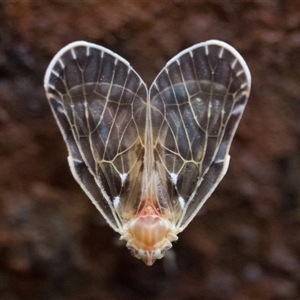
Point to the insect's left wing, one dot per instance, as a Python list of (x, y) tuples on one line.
[(197, 101), (99, 103)]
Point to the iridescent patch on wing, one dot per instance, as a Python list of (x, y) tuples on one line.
[(148, 158)]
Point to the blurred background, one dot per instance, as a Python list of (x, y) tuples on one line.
[(245, 244)]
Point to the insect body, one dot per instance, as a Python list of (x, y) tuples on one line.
[(148, 159)]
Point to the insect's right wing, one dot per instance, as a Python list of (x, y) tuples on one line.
[(197, 101), (99, 103)]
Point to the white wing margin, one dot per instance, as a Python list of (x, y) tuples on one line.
[(197, 101)]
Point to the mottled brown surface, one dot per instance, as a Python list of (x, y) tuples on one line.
[(246, 242)]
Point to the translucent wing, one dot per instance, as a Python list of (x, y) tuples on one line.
[(148, 161), (99, 102), (197, 101)]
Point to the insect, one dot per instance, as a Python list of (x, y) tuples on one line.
[(148, 158)]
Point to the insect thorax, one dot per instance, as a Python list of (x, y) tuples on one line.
[(149, 235)]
